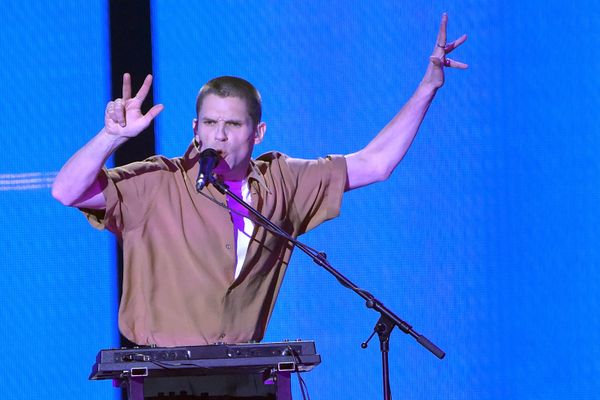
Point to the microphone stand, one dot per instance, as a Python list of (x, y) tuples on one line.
[(387, 320)]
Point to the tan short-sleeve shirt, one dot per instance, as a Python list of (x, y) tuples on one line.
[(179, 251)]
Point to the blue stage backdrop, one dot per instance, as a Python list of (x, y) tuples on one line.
[(58, 289), (484, 238)]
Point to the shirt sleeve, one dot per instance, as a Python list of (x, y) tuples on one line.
[(319, 187), (128, 195)]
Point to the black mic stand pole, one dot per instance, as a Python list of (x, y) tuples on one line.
[(387, 320)]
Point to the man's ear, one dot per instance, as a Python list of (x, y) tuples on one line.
[(259, 133), (195, 129)]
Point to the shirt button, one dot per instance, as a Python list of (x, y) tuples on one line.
[(228, 246)]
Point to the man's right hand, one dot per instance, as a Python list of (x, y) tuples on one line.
[(123, 117), (79, 182)]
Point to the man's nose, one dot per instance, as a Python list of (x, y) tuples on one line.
[(221, 134)]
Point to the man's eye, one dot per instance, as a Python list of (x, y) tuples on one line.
[(208, 122), (235, 124)]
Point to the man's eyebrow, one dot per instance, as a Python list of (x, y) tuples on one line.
[(205, 118)]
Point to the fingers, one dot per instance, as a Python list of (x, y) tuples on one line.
[(447, 62), (126, 86), (453, 45), (455, 64), (441, 38), (145, 89), (438, 58), (126, 111), (115, 110), (142, 93)]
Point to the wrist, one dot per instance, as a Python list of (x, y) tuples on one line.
[(111, 139), (427, 88)]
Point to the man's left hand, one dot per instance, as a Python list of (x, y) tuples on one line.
[(434, 76)]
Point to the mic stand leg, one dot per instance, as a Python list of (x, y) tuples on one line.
[(387, 393), (384, 328)]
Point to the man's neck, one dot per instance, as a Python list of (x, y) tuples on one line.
[(233, 177), (238, 174)]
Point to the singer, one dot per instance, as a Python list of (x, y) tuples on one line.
[(197, 269)]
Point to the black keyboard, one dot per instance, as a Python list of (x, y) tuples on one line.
[(205, 360)]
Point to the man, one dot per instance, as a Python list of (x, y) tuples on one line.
[(197, 269)]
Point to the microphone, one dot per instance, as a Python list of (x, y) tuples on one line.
[(209, 159)]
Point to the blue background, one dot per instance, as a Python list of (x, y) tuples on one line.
[(484, 238)]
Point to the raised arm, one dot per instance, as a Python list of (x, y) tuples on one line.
[(380, 157), (79, 183)]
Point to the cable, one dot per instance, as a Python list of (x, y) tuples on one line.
[(301, 382)]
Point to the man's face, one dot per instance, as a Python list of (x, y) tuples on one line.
[(224, 124)]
